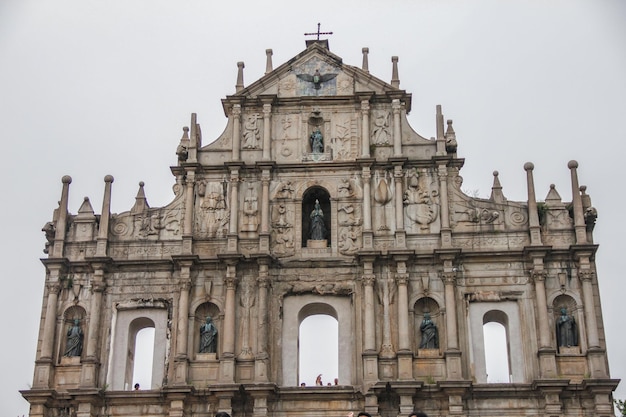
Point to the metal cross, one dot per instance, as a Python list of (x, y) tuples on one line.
[(318, 33)]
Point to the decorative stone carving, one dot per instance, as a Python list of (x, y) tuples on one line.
[(421, 201), (282, 231), (250, 211), (381, 135), (383, 194), (251, 132), (349, 237), (212, 217)]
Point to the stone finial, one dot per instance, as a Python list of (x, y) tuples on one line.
[(496, 189), (239, 85), (365, 66), (85, 210), (553, 198), (183, 147), (268, 62), (395, 81), (450, 136), (141, 203)]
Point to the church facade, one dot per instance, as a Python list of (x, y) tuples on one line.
[(319, 198)]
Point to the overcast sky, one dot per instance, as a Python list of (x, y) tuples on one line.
[(89, 88)]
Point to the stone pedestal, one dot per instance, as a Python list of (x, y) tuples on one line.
[(316, 244)]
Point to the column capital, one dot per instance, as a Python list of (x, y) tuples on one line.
[(54, 287), (586, 275), (231, 282), (267, 109), (402, 279), (448, 277), (98, 286), (538, 275), (369, 279)]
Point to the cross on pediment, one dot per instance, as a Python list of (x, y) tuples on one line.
[(318, 33)]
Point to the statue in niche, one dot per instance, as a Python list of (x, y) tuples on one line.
[(251, 132), (430, 335), (317, 141), (422, 203), (208, 337), (74, 343), (318, 228), (380, 133), (566, 331)]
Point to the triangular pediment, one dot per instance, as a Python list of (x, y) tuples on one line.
[(315, 72)]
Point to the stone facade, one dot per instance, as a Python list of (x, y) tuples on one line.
[(398, 238)]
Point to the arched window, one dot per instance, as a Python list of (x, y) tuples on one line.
[(314, 226), (144, 352), (318, 349), (496, 352)]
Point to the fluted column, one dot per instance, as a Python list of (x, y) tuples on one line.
[(44, 362), (267, 125), (188, 222), (183, 312), (229, 315), (234, 201), (265, 201), (91, 360), (59, 236), (103, 230), (236, 139), (369, 327), (367, 202), (365, 128), (398, 175), (451, 326), (586, 277), (261, 364), (403, 311), (396, 107), (579, 220), (539, 277), (446, 234)]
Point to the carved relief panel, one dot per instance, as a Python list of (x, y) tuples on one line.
[(212, 214), (421, 201)]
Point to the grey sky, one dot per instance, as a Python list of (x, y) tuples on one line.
[(89, 88)]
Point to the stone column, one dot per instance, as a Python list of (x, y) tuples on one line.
[(405, 355), (91, 361), (586, 277), (228, 345), (547, 354), (267, 125), (370, 356), (103, 230), (386, 291), (43, 365), (234, 201), (533, 216), (264, 244), (236, 139), (368, 239), (365, 128), (453, 354), (182, 325), (579, 220), (59, 236), (398, 175), (262, 357), (446, 233), (396, 108)]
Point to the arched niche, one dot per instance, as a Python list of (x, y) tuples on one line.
[(309, 197), (72, 313), (203, 311), (422, 306)]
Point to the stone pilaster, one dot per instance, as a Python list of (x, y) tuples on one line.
[(365, 129), (262, 357), (236, 139), (396, 108), (91, 361), (228, 346), (267, 131), (446, 232)]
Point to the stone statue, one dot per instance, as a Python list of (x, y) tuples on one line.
[(566, 331), (317, 141), (318, 228), (74, 344), (208, 337), (430, 335)]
